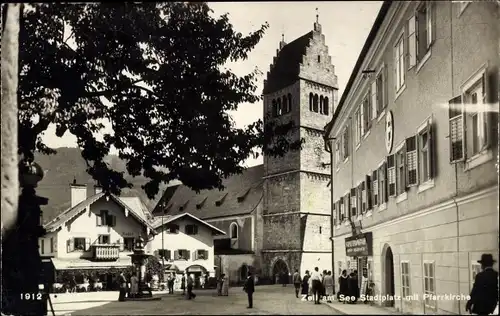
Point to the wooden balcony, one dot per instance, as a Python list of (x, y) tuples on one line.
[(105, 252)]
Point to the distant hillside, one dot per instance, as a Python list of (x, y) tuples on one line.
[(60, 170)]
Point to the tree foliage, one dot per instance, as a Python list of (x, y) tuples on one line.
[(156, 72)]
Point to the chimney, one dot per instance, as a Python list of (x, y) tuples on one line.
[(78, 193), (97, 189)]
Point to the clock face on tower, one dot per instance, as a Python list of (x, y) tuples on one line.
[(389, 131)]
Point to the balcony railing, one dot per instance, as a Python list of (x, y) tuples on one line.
[(105, 252)]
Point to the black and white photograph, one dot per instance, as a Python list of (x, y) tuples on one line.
[(250, 158)]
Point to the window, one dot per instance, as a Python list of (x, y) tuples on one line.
[(405, 279), (347, 202), (342, 209), (362, 190), (382, 187), (367, 114), (274, 109), (321, 99), (374, 99), (399, 64), (164, 253), (289, 103), (326, 108), (201, 254), (319, 58), (280, 109), (423, 29), (182, 254), (375, 188), (334, 213), (412, 160), (128, 243), (284, 105), (358, 126), (412, 42), (401, 171), (345, 142), (455, 112), (233, 231), (381, 91), (105, 219), (425, 153), (79, 244), (354, 202), (337, 153), (475, 269), (42, 246), (429, 285), (52, 244), (476, 120), (172, 229), (311, 101), (191, 229), (315, 103), (103, 240), (391, 175), (368, 193)]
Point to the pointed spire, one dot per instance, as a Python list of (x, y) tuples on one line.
[(282, 43)]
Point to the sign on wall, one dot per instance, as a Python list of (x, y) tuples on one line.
[(389, 131), (359, 246)]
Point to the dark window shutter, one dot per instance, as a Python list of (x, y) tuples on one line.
[(368, 192), (188, 254), (206, 251), (334, 213), (87, 244), (168, 255), (386, 182), (375, 197), (354, 206), (347, 205), (176, 255)]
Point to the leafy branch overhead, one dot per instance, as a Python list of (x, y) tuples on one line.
[(155, 71)]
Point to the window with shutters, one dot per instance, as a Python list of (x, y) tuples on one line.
[(412, 42), (342, 210), (381, 91), (79, 244), (164, 253), (401, 171), (345, 143), (456, 130), (191, 229), (128, 243), (172, 229), (358, 125), (399, 63), (201, 254), (362, 190), (182, 254), (425, 152), (391, 175), (429, 285), (412, 160), (367, 114), (104, 240), (354, 203), (424, 25), (382, 183), (375, 188)]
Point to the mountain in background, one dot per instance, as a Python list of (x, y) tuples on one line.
[(68, 164)]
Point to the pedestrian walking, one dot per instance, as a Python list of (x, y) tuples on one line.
[(202, 281), (328, 284), (249, 288), (190, 284), (134, 285), (305, 285), (316, 285), (296, 282), (353, 287), (183, 284), (122, 281), (484, 293), (225, 285), (170, 283), (219, 285), (343, 286)]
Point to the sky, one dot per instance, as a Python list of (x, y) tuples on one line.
[(345, 24)]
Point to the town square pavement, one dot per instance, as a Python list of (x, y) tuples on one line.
[(268, 300)]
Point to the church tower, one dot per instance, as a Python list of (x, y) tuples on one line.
[(301, 86)]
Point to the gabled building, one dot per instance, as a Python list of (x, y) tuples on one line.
[(185, 243), (413, 144), (277, 215)]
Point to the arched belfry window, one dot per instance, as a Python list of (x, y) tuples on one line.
[(321, 104), (274, 109), (289, 107), (311, 101), (233, 231), (315, 103), (326, 106), (279, 107), (285, 104)]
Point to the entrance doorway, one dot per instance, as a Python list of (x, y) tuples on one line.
[(389, 275), (280, 272)]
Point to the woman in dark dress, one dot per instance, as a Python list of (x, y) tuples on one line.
[(353, 287), (305, 284), (343, 285)]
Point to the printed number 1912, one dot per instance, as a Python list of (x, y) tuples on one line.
[(31, 296)]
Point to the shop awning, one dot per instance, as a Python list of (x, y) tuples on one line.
[(68, 264)]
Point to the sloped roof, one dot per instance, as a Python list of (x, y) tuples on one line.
[(136, 204), (286, 68), (203, 205), (72, 212), (158, 222)]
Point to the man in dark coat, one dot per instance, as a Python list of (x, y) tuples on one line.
[(484, 294), (249, 287), (122, 281)]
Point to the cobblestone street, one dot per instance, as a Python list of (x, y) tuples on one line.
[(268, 300)]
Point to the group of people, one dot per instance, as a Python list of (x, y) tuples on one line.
[(133, 291), (223, 285), (348, 287), (314, 284)]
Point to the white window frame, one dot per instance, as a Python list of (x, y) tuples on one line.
[(231, 231), (429, 183), (367, 114), (374, 98), (412, 155), (357, 127), (382, 204), (405, 286), (429, 23), (429, 304), (338, 153), (381, 98), (475, 267), (389, 171), (399, 64)]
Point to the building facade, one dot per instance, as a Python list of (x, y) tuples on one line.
[(413, 147), (185, 243)]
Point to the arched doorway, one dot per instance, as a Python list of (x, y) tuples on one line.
[(389, 275), (197, 271), (280, 270)]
